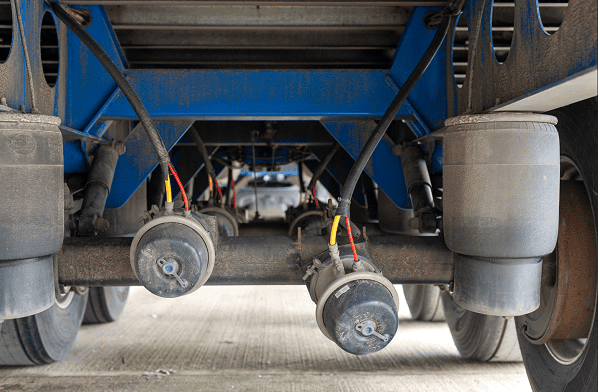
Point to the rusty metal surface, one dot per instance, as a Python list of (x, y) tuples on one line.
[(577, 257), (536, 59), (569, 279), (13, 82), (103, 259), (258, 260), (407, 259)]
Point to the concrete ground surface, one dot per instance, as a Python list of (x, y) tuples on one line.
[(253, 338)]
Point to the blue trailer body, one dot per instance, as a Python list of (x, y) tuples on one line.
[(346, 102)]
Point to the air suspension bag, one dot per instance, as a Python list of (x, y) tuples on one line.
[(31, 211), (501, 189), (32, 192)]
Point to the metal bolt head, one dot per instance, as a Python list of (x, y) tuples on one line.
[(397, 150), (102, 224), (120, 148), (413, 223)]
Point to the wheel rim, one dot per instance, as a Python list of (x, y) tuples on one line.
[(64, 296), (569, 287), (568, 351), (226, 222)]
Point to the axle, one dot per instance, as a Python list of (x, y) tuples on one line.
[(258, 260)]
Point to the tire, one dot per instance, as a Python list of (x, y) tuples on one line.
[(424, 302), (105, 304), (481, 337), (578, 131), (43, 338)]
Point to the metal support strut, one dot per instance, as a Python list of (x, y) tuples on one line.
[(97, 189), (258, 260)]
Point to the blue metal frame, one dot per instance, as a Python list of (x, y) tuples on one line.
[(427, 101), (139, 159), (89, 86), (384, 167), (191, 95), (345, 102)]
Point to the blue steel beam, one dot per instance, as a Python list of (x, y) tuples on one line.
[(283, 94), (256, 94), (384, 167), (333, 179), (427, 100), (89, 86), (139, 159)]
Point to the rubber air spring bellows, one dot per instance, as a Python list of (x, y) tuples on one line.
[(31, 211), (501, 189)]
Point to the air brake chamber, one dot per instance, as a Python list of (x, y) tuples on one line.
[(501, 190), (357, 308), (173, 254)]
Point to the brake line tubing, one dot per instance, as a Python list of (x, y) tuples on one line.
[(389, 115), (121, 81)]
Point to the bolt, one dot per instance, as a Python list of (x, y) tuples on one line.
[(120, 148), (397, 150), (102, 224), (168, 268), (3, 101), (413, 223)]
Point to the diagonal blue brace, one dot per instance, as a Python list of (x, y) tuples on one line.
[(384, 167), (427, 100), (139, 159), (88, 84)]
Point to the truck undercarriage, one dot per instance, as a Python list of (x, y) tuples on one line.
[(343, 145)]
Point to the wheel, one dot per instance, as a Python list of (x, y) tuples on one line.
[(559, 341), (424, 302), (105, 304), (226, 222), (481, 337), (311, 222), (45, 337)]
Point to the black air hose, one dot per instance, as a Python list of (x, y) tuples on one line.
[(122, 82), (365, 154), (321, 168)]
